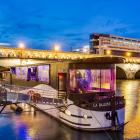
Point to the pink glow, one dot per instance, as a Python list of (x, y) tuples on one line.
[(84, 81)]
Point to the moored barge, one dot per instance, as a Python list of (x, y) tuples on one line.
[(91, 100)]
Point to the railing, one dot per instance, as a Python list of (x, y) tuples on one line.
[(41, 54), (16, 94), (51, 93), (51, 55)]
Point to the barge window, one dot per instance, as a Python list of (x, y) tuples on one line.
[(92, 80), (35, 73)]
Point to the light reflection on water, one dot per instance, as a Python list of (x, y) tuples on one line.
[(29, 126), (42, 127), (130, 89)]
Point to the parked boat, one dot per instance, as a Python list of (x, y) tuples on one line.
[(88, 90), (91, 100)]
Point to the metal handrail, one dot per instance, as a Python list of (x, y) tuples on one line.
[(17, 95), (25, 98), (23, 89)]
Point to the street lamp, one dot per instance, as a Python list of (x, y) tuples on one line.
[(21, 45), (108, 52), (128, 54), (57, 47)]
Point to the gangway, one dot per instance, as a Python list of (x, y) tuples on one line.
[(10, 94)]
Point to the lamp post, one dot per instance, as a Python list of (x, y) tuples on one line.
[(21, 45), (108, 52), (128, 54), (57, 47)]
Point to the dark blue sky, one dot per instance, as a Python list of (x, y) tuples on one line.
[(41, 23)]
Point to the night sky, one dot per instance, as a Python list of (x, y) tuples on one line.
[(42, 23)]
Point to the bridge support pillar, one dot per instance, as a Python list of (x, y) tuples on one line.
[(130, 75), (130, 69)]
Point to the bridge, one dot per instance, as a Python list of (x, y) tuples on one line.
[(17, 56), (25, 57)]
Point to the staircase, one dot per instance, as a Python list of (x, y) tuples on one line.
[(62, 95)]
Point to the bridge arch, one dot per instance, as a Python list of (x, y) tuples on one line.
[(120, 73), (137, 75)]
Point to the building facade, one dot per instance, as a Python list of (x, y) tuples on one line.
[(107, 44)]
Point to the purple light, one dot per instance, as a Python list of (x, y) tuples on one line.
[(90, 80), (40, 73)]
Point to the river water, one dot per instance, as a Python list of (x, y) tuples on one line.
[(32, 125)]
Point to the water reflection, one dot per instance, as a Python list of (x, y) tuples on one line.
[(130, 89), (41, 127), (29, 126)]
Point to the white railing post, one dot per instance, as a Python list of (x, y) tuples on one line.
[(29, 98), (17, 98)]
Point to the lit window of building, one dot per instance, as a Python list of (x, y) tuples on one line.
[(100, 43)]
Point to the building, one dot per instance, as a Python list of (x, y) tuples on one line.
[(114, 45)]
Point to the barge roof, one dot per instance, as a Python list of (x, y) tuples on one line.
[(102, 60)]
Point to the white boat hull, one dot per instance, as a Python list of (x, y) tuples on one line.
[(79, 118)]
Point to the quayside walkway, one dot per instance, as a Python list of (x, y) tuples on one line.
[(41, 94)]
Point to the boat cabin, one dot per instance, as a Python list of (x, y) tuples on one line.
[(92, 83), (93, 75), (87, 76)]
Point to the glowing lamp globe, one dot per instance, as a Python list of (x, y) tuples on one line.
[(128, 54), (21, 45), (108, 52), (57, 47)]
